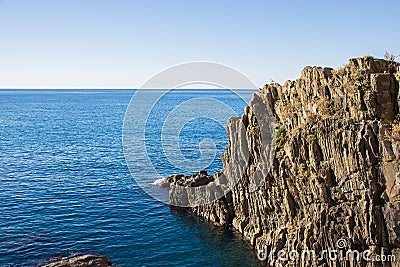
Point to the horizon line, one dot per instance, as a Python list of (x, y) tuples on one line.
[(104, 88)]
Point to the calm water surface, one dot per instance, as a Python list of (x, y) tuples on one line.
[(65, 187)]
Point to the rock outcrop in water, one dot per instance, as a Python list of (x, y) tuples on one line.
[(198, 179), (335, 176), (82, 261)]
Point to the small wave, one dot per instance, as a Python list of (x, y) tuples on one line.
[(159, 181)]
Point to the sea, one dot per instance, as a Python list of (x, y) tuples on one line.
[(66, 187)]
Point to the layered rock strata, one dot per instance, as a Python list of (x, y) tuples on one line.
[(335, 174)]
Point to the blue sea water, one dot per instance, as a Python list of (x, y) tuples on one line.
[(65, 186)]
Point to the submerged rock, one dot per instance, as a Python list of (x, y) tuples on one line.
[(336, 172)]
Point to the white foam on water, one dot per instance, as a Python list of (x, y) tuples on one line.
[(158, 181)]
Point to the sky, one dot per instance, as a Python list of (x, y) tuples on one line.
[(122, 43)]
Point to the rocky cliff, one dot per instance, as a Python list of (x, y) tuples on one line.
[(335, 174)]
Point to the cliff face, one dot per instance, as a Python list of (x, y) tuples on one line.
[(336, 171)]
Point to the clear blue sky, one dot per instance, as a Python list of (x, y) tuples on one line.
[(121, 43)]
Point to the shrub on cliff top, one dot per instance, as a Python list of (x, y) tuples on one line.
[(390, 57)]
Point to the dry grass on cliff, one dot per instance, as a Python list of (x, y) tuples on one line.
[(324, 108), (312, 118), (342, 71), (396, 131)]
